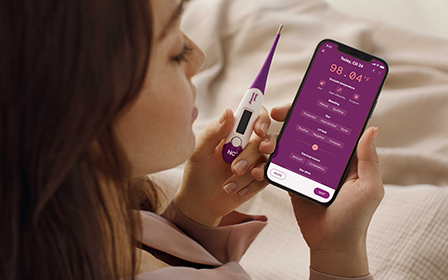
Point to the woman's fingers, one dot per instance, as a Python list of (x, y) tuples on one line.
[(260, 143), (368, 162), (368, 165), (251, 152), (210, 138), (262, 123), (252, 189), (237, 182), (258, 172), (267, 146), (245, 185), (352, 173), (249, 156), (279, 113)]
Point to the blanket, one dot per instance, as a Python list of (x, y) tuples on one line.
[(408, 236)]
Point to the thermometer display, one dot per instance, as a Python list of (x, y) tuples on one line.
[(244, 122)]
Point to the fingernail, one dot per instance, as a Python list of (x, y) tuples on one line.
[(244, 191), (265, 141), (375, 134), (223, 117), (240, 166), (264, 128), (230, 187)]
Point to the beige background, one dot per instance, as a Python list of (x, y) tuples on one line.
[(429, 17)]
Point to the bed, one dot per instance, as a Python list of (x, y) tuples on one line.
[(408, 236)]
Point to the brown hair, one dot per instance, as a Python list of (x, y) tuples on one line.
[(67, 68)]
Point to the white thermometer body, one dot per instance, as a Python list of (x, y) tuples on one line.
[(245, 116), (248, 110)]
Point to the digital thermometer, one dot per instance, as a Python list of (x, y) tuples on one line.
[(248, 110)]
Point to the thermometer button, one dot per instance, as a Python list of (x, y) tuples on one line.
[(236, 141)]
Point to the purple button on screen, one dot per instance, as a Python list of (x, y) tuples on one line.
[(319, 136), (344, 130), (303, 129), (321, 193), (322, 104), (297, 158), (328, 123), (317, 166), (309, 115), (336, 143), (338, 110)]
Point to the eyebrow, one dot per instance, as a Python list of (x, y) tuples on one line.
[(174, 17)]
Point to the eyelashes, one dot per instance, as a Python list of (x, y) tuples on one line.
[(183, 55)]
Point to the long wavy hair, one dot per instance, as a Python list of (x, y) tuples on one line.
[(67, 69)]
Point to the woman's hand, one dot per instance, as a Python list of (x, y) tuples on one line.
[(212, 188), (336, 234)]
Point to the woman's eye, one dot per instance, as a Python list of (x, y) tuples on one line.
[(182, 56)]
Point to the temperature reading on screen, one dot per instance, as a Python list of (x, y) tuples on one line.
[(352, 75)]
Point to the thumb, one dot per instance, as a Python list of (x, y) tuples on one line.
[(368, 162), (207, 141)]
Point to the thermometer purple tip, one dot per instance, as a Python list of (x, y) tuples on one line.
[(262, 77)]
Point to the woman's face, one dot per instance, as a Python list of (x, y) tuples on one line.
[(156, 130)]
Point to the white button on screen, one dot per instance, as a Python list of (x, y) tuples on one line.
[(278, 174)]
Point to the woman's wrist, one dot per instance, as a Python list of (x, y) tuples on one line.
[(347, 262), (194, 212)]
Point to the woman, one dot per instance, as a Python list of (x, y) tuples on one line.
[(96, 93)]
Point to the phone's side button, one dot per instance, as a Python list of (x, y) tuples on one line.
[(321, 193), (373, 110), (278, 174)]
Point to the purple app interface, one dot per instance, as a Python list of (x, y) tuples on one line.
[(326, 121)]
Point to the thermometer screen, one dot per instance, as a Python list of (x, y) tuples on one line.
[(244, 122)]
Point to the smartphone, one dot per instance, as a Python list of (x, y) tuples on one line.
[(328, 116)]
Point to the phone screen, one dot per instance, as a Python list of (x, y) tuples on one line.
[(328, 116)]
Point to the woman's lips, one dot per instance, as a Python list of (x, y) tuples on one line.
[(195, 113)]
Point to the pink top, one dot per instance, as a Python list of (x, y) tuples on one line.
[(200, 252)]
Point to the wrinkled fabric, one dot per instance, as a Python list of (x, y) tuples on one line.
[(221, 247)]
